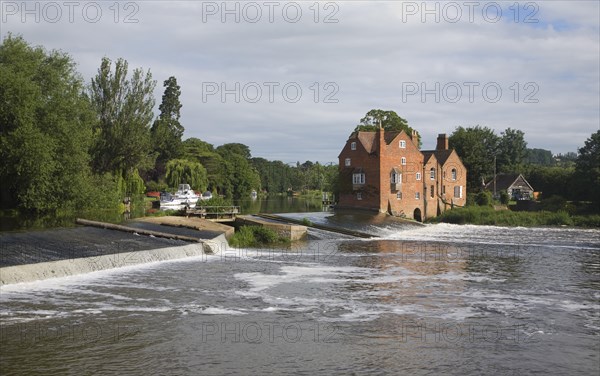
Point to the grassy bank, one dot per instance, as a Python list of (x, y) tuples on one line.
[(255, 236), (483, 215)]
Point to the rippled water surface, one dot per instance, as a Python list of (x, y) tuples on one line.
[(439, 299)]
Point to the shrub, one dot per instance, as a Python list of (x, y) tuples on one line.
[(504, 198), (553, 203), (252, 236), (587, 221), (265, 235), (306, 222), (484, 198)]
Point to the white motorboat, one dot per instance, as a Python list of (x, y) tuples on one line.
[(185, 197)]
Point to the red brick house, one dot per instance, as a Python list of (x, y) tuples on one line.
[(385, 171)]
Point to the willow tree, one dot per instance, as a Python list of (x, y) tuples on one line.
[(182, 171), (124, 110)]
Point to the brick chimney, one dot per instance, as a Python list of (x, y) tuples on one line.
[(442, 142), (415, 138)]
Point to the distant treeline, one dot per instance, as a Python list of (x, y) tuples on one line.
[(67, 145)]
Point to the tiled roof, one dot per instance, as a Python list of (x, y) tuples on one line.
[(504, 181), (441, 155), (368, 141)]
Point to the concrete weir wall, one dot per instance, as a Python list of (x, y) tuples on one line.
[(64, 268), (289, 231)]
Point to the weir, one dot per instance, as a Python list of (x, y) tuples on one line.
[(65, 268), (59, 253), (354, 233)]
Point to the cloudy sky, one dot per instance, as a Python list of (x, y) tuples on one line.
[(292, 79)]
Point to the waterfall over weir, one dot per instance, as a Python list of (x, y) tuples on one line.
[(28, 257)]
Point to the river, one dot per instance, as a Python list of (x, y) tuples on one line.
[(437, 299)]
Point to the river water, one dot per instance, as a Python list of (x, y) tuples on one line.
[(438, 299)]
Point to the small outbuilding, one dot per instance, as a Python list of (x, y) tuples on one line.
[(517, 187)]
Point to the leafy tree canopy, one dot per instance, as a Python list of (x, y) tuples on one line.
[(125, 111), (45, 131), (166, 130), (182, 171), (477, 147), (587, 168), (388, 120), (234, 148), (512, 151)]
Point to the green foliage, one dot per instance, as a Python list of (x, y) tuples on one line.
[(134, 184), (482, 215), (124, 110), (306, 222), (512, 151), (153, 186), (46, 131), (216, 201), (484, 198), (477, 147), (234, 148), (587, 169), (264, 235), (182, 171), (255, 236), (389, 121), (242, 178), (162, 213), (552, 181), (540, 157), (553, 203), (504, 198), (166, 132), (592, 221), (566, 160)]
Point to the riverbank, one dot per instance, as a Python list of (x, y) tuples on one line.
[(482, 215)]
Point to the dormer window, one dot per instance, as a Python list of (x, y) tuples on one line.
[(402, 144), (403, 161), (347, 162), (353, 146)]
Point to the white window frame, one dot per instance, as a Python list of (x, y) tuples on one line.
[(460, 191), (353, 145), (418, 176), (395, 178), (417, 195), (453, 173), (359, 195), (403, 161), (347, 162), (398, 195), (402, 144), (432, 173), (358, 178)]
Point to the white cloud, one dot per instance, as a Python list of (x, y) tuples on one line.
[(369, 54)]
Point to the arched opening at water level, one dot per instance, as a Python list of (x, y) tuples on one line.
[(417, 214)]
